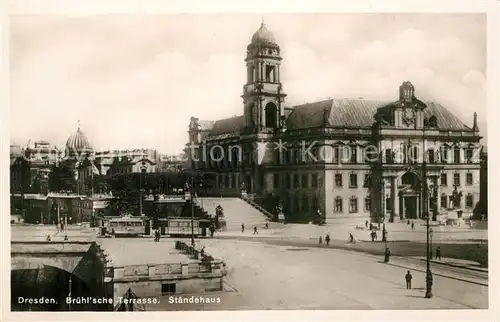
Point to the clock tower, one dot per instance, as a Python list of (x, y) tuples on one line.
[(263, 95), (408, 112)]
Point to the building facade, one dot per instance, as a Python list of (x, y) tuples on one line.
[(347, 158)]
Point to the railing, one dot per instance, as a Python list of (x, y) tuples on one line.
[(258, 207)]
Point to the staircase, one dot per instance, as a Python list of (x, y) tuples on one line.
[(236, 212)]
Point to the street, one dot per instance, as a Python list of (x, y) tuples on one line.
[(266, 276)]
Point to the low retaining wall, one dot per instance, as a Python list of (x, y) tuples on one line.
[(199, 275)]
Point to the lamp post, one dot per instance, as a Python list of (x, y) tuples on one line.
[(425, 214), (192, 210)]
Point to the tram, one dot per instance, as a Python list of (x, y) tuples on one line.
[(181, 227), (126, 226)]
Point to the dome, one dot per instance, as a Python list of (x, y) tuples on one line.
[(78, 142), (263, 36)]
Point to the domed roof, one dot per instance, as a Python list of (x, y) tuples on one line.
[(78, 142), (263, 36)]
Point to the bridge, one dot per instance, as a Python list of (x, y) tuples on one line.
[(56, 270)]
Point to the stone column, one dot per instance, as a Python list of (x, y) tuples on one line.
[(382, 200), (393, 198), (438, 195)]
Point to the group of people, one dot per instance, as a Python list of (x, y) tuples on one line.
[(412, 224), (327, 239), (255, 230), (157, 235)]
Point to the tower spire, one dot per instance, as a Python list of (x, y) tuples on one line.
[(474, 125), (262, 24), (78, 123)]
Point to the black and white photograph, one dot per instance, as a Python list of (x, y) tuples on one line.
[(248, 161)]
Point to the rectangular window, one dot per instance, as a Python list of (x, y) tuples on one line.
[(444, 201), (431, 156), (338, 205), (305, 178), (353, 205), (353, 180), (469, 201), (368, 204), (354, 154), (338, 180), (314, 180), (168, 288), (444, 154), (469, 178), (456, 179), (387, 204), (336, 155), (388, 156), (444, 179), (296, 181), (468, 155), (456, 155), (367, 181), (276, 181)]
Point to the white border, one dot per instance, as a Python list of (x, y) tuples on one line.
[(88, 7)]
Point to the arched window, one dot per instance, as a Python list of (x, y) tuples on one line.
[(432, 121), (271, 114)]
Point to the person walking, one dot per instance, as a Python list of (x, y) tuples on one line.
[(366, 224), (48, 238), (242, 228), (327, 239), (351, 239), (373, 234), (438, 253), (320, 240), (412, 225), (387, 255), (255, 232), (202, 252), (408, 278)]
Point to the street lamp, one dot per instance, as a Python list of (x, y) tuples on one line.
[(425, 210)]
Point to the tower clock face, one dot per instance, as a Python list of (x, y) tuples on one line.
[(408, 116)]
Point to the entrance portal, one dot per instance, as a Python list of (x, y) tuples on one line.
[(411, 207)]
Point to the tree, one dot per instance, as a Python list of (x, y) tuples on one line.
[(124, 188), (99, 182), (62, 178)]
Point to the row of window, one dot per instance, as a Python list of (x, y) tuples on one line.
[(296, 181), (338, 205), (347, 155), (469, 179)]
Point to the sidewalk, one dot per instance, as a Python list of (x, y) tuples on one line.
[(459, 263)]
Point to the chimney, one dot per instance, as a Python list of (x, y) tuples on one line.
[(475, 128)]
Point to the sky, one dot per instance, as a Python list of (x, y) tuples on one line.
[(133, 81)]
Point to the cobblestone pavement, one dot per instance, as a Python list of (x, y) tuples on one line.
[(265, 276)]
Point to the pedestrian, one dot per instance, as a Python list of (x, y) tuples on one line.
[(366, 224), (327, 239), (408, 222), (438, 253), (242, 228), (372, 234), (267, 225), (159, 234), (202, 252), (408, 278), (212, 230), (387, 255), (371, 226), (65, 237), (351, 238), (320, 240), (375, 234), (255, 230), (48, 238), (412, 225)]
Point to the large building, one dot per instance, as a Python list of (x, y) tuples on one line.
[(347, 158)]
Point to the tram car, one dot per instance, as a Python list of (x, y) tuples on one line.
[(181, 227), (126, 226)]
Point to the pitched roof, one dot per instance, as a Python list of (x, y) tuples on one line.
[(353, 113), (233, 124), (359, 113)]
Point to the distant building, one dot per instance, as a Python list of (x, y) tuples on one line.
[(483, 190), (171, 163)]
